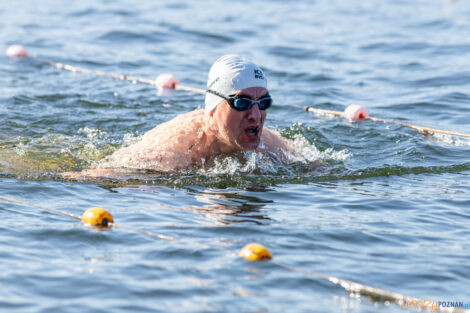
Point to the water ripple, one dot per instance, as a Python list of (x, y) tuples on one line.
[(130, 36)]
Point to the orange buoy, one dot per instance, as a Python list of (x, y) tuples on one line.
[(255, 252), (97, 217)]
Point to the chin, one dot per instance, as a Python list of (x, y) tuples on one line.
[(249, 141), (252, 145)]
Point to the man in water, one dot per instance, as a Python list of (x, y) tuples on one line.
[(236, 104)]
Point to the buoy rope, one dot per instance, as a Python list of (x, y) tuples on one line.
[(376, 294), (257, 252), (77, 69), (77, 217), (421, 129), (260, 253), (146, 232), (133, 79), (5, 199), (188, 88)]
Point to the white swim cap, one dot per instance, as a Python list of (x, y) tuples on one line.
[(229, 74)]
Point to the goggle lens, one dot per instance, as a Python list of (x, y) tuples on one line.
[(242, 104)]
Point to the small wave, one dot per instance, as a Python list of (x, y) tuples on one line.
[(402, 170), (198, 35), (306, 157), (92, 133), (455, 96), (248, 162), (51, 155), (55, 153), (118, 35), (392, 47), (84, 12), (291, 52), (307, 152), (219, 178), (455, 79), (452, 140)]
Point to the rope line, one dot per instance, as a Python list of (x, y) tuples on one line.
[(5, 199), (376, 294), (421, 129), (188, 88), (75, 69), (352, 288), (77, 217)]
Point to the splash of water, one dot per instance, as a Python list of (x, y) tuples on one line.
[(54, 153), (451, 140), (253, 162)]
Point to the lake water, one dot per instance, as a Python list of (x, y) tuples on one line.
[(388, 208)]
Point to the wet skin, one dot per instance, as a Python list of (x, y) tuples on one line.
[(195, 137)]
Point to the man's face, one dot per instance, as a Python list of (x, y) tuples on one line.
[(240, 130)]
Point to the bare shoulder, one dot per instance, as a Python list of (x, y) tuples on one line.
[(164, 148), (273, 141), (184, 122), (174, 135)]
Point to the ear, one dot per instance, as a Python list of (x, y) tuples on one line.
[(208, 118), (211, 114)]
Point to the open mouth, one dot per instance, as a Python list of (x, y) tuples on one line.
[(252, 131)]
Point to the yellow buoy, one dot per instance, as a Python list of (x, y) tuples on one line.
[(97, 217), (255, 252)]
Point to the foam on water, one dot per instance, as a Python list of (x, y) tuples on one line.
[(93, 147), (253, 162), (54, 153), (92, 133), (452, 140), (307, 152)]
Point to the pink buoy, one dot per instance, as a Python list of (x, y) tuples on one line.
[(355, 112), (166, 81), (17, 51)]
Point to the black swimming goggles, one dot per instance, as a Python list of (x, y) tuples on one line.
[(243, 103)]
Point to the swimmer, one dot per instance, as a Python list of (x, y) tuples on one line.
[(236, 104)]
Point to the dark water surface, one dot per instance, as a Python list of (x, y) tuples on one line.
[(389, 208)]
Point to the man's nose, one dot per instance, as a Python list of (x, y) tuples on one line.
[(254, 112)]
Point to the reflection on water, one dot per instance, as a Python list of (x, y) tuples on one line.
[(227, 208)]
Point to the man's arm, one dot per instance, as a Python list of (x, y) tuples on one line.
[(164, 148)]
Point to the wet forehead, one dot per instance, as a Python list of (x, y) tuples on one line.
[(254, 93)]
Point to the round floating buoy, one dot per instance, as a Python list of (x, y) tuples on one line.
[(255, 252), (355, 112), (166, 81), (97, 217), (17, 51)]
